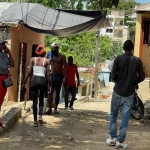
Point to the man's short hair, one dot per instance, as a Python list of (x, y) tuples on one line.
[(70, 57), (128, 45)]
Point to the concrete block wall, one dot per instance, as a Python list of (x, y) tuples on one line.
[(144, 90)]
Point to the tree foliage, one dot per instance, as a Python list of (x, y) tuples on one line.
[(101, 4), (127, 5), (75, 4), (82, 47), (61, 4)]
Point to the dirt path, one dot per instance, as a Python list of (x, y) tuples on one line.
[(72, 130)]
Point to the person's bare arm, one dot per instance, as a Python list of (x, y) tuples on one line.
[(12, 63), (77, 75), (66, 68), (28, 73), (48, 75)]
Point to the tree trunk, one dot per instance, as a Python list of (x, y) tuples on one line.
[(55, 4), (66, 4)]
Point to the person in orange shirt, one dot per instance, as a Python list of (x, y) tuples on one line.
[(71, 83)]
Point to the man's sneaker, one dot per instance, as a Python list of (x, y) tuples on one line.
[(111, 141), (66, 108), (35, 124), (121, 145), (71, 108), (40, 120)]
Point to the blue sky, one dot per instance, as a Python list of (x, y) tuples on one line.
[(142, 1)]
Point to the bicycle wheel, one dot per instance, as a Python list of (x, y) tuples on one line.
[(137, 112)]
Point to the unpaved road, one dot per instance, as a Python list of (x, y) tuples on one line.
[(72, 130)]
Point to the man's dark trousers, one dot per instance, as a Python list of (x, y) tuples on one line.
[(72, 90)]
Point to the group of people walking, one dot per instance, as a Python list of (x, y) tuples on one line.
[(55, 71), (127, 71)]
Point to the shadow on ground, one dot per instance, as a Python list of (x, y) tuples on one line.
[(72, 130)]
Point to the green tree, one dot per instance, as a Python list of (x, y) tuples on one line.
[(115, 50), (127, 5), (105, 47), (82, 47), (101, 4), (60, 3)]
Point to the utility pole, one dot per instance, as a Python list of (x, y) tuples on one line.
[(66, 4), (96, 64)]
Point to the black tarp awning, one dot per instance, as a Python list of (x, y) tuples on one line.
[(54, 21)]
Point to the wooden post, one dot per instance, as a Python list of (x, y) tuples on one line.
[(96, 64), (66, 4)]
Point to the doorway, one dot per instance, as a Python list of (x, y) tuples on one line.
[(84, 90), (21, 69), (34, 46)]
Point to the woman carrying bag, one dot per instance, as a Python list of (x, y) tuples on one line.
[(6, 61), (40, 66)]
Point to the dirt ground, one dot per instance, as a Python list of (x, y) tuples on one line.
[(72, 130)]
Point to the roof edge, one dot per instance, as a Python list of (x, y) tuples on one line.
[(9, 24)]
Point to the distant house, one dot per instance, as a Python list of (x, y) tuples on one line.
[(86, 82), (104, 72), (118, 32)]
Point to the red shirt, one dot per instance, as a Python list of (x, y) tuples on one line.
[(71, 74)]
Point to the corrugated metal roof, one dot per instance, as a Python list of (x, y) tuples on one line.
[(143, 7), (4, 6)]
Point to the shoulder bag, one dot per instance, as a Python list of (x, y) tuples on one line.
[(7, 82)]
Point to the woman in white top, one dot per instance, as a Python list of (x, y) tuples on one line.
[(40, 66)]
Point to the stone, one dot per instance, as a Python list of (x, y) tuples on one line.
[(77, 141), (41, 135), (68, 133), (70, 138)]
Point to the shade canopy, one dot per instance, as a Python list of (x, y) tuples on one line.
[(57, 22)]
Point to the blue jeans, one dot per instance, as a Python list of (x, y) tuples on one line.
[(126, 104)]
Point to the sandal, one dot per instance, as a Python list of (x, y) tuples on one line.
[(55, 112), (48, 113), (3, 127)]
